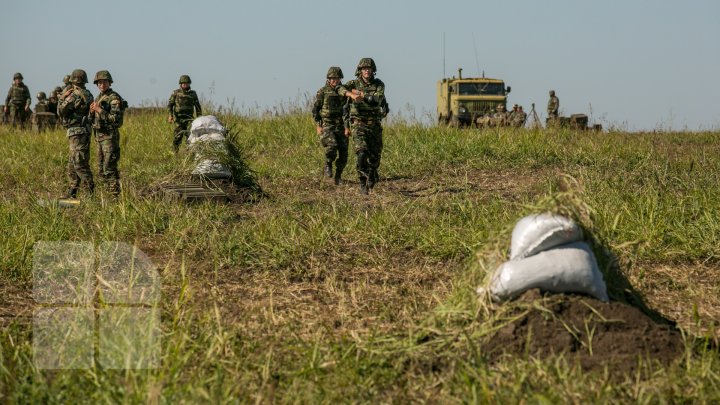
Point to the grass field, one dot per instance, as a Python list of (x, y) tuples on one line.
[(316, 294)]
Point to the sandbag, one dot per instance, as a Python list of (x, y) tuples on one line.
[(570, 268), (536, 233), (206, 124)]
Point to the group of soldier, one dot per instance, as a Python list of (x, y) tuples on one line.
[(356, 109), (501, 118)]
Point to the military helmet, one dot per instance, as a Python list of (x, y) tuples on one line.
[(18, 76), (366, 62), (185, 79), (66, 79), (57, 90), (102, 75), (78, 76), (552, 93), (334, 72), (41, 95)]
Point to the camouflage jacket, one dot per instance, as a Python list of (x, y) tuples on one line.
[(111, 117), (328, 106), (184, 104), (553, 105), (18, 96), (373, 105), (42, 107), (74, 108)]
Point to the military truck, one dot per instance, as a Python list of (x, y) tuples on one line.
[(460, 101)]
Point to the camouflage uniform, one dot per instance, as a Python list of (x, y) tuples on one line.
[(41, 119), (366, 114), (328, 114), (18, 102), (553, 106), (500, 118), (53, 100), (73, 110), (183, 106), (105, 125)]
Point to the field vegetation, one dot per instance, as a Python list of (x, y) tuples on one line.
[(317, 294)]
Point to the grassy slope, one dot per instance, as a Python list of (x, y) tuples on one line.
[(317, 294)]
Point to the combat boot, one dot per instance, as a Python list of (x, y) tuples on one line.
[(71, 192), (328, 169), (373, 178), (338, 175), (363, 185)]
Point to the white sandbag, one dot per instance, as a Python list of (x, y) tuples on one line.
[(212, 169), (570, 268), (536, 233), (208, 137), (206, 124)]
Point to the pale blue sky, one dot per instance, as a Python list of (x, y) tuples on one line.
[(637, 64)]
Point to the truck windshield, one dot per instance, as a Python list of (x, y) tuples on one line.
[(476, 89)]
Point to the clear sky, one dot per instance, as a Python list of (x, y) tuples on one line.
[(633, 64)]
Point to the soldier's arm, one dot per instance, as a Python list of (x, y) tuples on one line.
[(28, 98), (376, 97), (9, 96), (347, 89), (198, 109), (114, 117), (317, 106), (171, 104)]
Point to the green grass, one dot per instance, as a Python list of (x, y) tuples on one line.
[(316, 294)]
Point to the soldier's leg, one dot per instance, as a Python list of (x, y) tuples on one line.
[(179, 133), (100, 159), (73, 178), (328, 142), (82, 161), (111, 149), (14, 117), (359, 132), (342, 148)]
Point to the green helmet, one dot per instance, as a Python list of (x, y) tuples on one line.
[(66, 79), (185, 79), (57, 90), (102, 75), (18, 75), (41, 95), (552, 93), (334, 73), (78, 76), (366, 62)]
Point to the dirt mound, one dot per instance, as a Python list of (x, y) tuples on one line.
[(587, 331)]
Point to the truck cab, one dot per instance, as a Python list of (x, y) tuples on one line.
[(460, 101)]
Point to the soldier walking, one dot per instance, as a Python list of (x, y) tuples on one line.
[(73, 109), (183, 106), (367, 109), (327, 112), (553, 106), (106, 116), (17, 102)]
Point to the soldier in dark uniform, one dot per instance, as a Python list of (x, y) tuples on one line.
[(17, 102), (53, 100), (367, 109), (553, 107), (106, 116), (73, 110), (327, 112), (183, 106)]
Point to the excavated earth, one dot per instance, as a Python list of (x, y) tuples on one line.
[(587, 332)]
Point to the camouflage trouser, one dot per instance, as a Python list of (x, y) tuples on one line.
[(367, 137), (335, 142), (181, 131), (108, 154), (79, 163), (18, 116)]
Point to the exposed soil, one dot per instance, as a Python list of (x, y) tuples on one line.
[(587, 331)]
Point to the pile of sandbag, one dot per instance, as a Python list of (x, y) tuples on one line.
[(547, 252), (207, 141)]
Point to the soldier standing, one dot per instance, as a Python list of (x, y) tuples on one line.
[(73, 109), (520, 117), (183, 106), (106, 115), (53, 100), (327, 113), (17, 102), (553, 106), (367, 109)]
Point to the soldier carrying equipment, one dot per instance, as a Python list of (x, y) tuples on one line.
[(183, 107)]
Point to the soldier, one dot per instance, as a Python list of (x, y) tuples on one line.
[(553, 106), (73, 110), (41, 118), (183, 107), (106, 116), (327, 112), (520, 118), (366, 111), (500, 118), (53, 100), (42, 103), (17, 102)]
